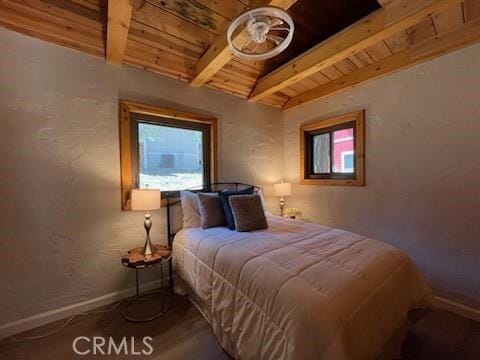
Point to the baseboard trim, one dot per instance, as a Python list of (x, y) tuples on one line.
[(34, 321), (457, 308)]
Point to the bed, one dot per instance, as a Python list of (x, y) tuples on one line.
[(298, 290)]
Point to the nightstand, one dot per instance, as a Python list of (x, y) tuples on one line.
[(134, 259)]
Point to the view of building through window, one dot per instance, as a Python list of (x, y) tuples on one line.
[(170, 158), (343, 151)]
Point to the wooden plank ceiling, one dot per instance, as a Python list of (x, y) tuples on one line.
[(337, 43)]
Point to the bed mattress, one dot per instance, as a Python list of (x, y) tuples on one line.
[(298, 290)]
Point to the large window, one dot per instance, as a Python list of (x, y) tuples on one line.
[(172, 155), (332, 151), (165, 149)]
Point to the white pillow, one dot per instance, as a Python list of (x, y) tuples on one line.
[(262, 199), (190, 209)]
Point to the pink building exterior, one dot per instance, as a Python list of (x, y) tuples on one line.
[(343, 151)]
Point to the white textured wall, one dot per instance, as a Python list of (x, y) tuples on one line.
[(422, 168), (61, 228)]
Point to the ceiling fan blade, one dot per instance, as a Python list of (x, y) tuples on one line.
[(276, 22), (264, 46), (276, 39), (246, 43)]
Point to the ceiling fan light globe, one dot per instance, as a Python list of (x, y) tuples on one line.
[(258, 31)]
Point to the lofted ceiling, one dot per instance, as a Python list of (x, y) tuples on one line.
[(337, 43), (316, 21)]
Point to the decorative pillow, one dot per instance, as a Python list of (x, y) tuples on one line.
[(224, 195), (190, 209), (260, 193), (211, 210), (248, 212)]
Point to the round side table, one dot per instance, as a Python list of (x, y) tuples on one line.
[(134, 259)]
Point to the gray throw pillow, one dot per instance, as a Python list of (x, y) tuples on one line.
[(248, 212), (211, 210)]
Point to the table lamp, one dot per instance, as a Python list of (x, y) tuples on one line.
[(146, 200), (282, 189)]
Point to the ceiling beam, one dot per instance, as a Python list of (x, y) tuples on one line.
[(362, 34), (119, 16), (427, 49), (219, 54)]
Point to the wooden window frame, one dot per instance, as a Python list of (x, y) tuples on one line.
[(128, 111), (357, 119)]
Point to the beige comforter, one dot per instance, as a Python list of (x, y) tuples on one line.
[(298, 290)]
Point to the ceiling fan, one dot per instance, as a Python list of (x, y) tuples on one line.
[(260, 34)]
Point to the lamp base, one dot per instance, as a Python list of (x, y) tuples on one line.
[(282, 205), (148, 248)]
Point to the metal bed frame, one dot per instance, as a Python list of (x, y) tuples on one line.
[(174, 200)]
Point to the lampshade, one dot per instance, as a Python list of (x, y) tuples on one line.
[(282, 189), (145, 199)]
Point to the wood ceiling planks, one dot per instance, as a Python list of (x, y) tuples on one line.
[(169, 37), (449, 20), (378, 51), (422, 30), (162, 20), (164, 41), (96, 5), (34, 21), (426, 46), (162, 61), (277, 100), (194, 12), (364, 33), (346, 66), (72, 11), (229, 9), (449, 41), (471, 9), (398, 42), (331, 72)]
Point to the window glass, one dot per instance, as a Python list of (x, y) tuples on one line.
[(343, 151), (348, 164), (170, 158), (321, 154)]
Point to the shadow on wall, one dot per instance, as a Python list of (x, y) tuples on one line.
[(61, 210)]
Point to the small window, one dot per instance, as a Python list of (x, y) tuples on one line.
[(165, 149), (332, 151)]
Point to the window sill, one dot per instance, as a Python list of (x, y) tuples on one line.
[(333, 182)]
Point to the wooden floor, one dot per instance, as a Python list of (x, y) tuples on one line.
[(182, 333)]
